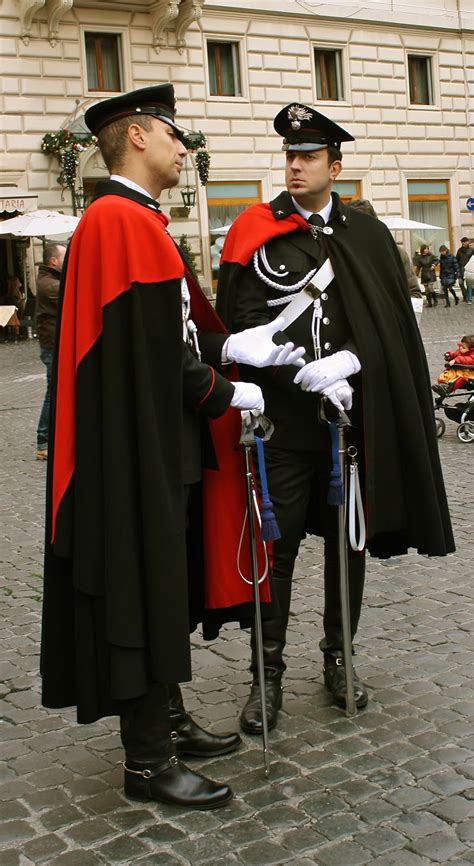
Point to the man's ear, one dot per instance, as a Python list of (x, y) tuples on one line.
[(335, 169), (137, 135)]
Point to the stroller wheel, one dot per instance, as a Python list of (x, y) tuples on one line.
[(465, 432), (440, 427)]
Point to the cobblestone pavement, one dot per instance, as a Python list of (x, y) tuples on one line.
[(395, 785)]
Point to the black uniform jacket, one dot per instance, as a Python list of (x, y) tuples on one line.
[(368, 309), (115, 591)]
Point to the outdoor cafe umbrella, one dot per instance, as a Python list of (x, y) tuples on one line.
[(39, 223), (400, 224)]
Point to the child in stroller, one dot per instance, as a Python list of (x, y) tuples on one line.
[(459, 368), (457, 381)]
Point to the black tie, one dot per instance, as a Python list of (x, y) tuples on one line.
[(316, 220)]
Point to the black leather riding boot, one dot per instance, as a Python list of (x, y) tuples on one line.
[(332, 643), (274, 640), (189, 738), (152, 771)]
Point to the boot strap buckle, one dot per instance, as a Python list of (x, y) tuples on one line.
[(145, 774), (174, 736), (339, 662), (149, 774)]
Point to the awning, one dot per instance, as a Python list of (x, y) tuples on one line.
[(13, 199)]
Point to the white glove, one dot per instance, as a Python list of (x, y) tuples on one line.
[(255, 347), (321, 374), (340, 394), (247, 396)]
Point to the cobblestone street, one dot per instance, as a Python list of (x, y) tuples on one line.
[(393, 786)]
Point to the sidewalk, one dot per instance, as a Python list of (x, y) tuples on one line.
[(393, 786)]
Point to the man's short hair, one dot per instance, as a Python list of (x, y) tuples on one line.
[(112, 139), (442, 248), (334, 155), (463, 240), (51, 251)]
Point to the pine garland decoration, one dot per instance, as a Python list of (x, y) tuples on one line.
[(67, 148), (196, 142)]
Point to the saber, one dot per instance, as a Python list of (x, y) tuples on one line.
[(351, 709), (338, 421), (247, 439)]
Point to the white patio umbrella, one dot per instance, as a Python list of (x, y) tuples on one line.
[(400, 223), (40, 223)]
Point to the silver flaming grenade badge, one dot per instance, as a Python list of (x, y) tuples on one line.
[(296, 114)]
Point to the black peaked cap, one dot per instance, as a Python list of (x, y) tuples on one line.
[(304, 128), (158, 101)]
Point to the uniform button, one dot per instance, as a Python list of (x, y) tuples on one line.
[(326, 320), (324, 296), (282, 267), (327, 346)]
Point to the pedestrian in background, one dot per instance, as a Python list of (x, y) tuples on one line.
[(469, 275), (47, 294), (425, 263), (463, 255), (448, 273)]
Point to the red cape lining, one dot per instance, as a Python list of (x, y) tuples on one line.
[(259, 226)]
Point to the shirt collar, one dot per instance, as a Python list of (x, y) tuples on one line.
[(131, 184), (324, 212)]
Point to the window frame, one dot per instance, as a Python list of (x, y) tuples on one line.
[(433, 82), (124, 58), (346, 199), (240, 50), (413, 197), (245, 200), (341, 48)]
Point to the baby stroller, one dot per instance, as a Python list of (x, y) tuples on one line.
[(458, 406)]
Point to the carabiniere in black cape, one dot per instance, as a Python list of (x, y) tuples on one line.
[(404, 489)]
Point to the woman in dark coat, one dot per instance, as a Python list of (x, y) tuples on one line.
[(424, 264), (448, 273)]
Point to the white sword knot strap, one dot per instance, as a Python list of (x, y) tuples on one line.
[(355, 503)]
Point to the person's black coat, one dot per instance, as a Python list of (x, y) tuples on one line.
[(405, 497), (116, 611)]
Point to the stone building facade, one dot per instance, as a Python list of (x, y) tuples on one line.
[(400, 77)]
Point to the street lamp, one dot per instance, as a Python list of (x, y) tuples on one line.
[(188, 194), (78, 199)]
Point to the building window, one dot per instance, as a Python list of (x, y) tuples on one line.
[(421, 80), (428, 202), (224, 202), (103, 57), (348, 190), (224, 69), (329, 82)]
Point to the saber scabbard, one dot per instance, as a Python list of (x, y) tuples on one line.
[(338, 421), (247, 440), (351, 709)]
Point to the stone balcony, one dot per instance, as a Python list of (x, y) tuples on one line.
[(164, 14)]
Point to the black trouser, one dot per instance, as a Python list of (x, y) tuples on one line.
[(145, 726), (447, 289), (298, 482)]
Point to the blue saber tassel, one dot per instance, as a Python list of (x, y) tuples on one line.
[(270, 530), (336, 491)]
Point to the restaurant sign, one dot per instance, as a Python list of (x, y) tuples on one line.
[(16, 200)]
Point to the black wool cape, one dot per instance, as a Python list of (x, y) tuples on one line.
[(404, 490), (115, 613)]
